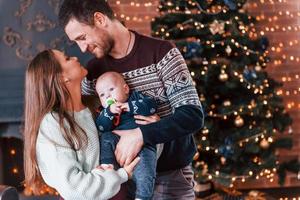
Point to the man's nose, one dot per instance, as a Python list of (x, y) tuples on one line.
[(82, 46)]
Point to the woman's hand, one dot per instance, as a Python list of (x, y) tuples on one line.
[(130, 167), (144, 120)]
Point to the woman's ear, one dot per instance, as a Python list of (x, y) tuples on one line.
[(126, 89), (99, 19)]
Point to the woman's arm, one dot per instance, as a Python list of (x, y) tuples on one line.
[(73, 173), (60, 169)]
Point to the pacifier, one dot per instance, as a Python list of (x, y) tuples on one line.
[(109, 101)]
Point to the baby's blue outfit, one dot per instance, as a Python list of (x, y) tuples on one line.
[(145, 171)]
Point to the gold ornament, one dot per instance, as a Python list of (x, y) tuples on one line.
[(196, 156), (205, 62), (227, 103), (205, 131), (202, 98), (269, 114), (253, 103), (255, 159), (204, 170), (257, 68), (223, 160), (217, 27), (228, 50), (264, 144), (239, 122), (197, 164), (290, 130), (223, 76)]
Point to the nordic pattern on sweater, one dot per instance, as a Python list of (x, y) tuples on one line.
[(157, 69), (169, 82)]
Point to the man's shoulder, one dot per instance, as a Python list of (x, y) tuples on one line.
[(155, 44)]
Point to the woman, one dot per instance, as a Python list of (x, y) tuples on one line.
[(61, 145)]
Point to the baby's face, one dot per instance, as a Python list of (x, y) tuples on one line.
[(112, 88)]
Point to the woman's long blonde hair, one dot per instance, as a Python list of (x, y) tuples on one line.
[(45, 92)]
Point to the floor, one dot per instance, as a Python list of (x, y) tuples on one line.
[(292, 193)]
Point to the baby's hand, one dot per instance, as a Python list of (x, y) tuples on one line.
[(125, 107), (105, 166), (116, 108)]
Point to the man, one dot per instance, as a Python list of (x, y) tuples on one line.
[(157, 69)]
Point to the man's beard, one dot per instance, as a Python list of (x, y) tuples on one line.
[(108, 46)]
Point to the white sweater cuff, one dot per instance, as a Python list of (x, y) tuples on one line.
[(123, 174)]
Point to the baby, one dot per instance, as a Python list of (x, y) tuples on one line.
[(120, 105)]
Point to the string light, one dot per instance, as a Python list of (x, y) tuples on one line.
[(267, 173), (271, 23), (135, 4), (137, 18), (12, 152), (15, 170)]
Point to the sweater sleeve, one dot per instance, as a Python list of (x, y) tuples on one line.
[(187, 117), (104, 121), (186, 120), (60, 169)]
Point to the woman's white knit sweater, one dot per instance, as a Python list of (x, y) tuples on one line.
[(73, 173)]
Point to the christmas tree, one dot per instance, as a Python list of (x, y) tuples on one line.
[(245, 121)]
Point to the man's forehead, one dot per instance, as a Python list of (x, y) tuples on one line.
[(74, 29)]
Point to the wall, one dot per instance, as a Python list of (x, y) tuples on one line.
[(280, 21), (26, 27), (140, 13)]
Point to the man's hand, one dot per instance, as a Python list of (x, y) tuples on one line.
[(144, 120), (129, 145)]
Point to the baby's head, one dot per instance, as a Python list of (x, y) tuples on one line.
[(112, 85)]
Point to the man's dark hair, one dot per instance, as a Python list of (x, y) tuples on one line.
[(83, 11)]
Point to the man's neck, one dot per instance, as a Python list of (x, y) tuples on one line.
[(123, 41)]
